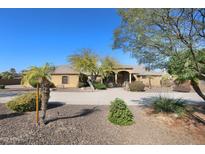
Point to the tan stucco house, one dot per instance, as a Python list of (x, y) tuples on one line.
[(65, 76)]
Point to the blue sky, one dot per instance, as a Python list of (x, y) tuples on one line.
[(36, 36)]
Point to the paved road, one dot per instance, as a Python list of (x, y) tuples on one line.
[(104, 97)]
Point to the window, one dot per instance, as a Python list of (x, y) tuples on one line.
[(64, 79)]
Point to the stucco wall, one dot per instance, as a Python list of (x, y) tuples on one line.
[(155, 80), (73, 81), (202, 85)]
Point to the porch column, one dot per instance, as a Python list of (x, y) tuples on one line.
[(116, 78), (130, 77)]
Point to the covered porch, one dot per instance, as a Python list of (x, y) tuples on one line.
[(120, 77)]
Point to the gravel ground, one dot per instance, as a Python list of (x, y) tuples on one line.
[(88, 124)]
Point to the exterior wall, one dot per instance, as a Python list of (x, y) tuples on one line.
[(202, 85), (73, 81), (155, 80)]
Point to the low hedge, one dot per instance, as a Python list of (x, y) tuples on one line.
[(99, 86), (137, 86), (24, 103), (2, 86), (83, 84), (166, 81), (120, 114)]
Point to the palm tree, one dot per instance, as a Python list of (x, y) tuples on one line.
[(41, 77)]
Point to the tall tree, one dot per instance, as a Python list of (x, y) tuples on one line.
[(85, 62), (7, 75), (107, 64), (182, 66), (153, 36), (41, 76), (13, 71)]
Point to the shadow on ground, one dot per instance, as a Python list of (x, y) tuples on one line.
[(8, 94), (83, 112), (10, 115), (147, 101), (192, 107), (52, 105)]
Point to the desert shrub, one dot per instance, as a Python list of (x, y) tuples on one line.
[(182, 87), (2, 86), (110, 85), (99, 86), (23, 103), (137, 86), (168, 105), (82, 84), (119, 113), (166, 81)]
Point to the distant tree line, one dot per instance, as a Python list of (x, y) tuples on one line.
[(11, 74)]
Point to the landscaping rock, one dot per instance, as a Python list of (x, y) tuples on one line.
[(87, 124)]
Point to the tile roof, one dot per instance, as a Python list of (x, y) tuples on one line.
[(139, 69), (65, 69)]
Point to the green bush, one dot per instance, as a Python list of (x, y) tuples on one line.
[(119, 113), (83, 84), (24, 103), (168, 105), (137, 86), (2, 86), (166, 81), (99, 86), (110, 85)]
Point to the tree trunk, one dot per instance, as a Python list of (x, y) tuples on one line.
[(90, 84), (150, 83), (37, 104), (45, 90), (197, 89)]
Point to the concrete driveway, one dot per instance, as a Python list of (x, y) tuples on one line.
[(104, 97)]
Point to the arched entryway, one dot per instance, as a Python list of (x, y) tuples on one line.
[(122, 76)]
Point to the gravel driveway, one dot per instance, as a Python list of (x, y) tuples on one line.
[(103, 97)]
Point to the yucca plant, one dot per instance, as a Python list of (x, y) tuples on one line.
[(168, 105)]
